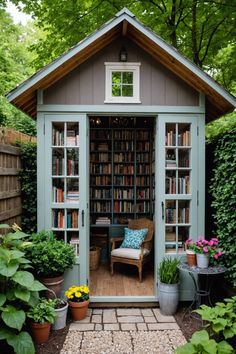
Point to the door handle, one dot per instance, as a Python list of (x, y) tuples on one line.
[(162, 210), (82, 213)]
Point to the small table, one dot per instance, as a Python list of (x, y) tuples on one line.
[(209, 273)]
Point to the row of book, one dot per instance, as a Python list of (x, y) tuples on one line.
[(123, 134), (123, 193), (124, 157), (124, 145), (72, 219), (100, 193), (183, 185), (142, 157), (143, 145), (99, 146), (58, 165), (58, 137), (142, 135), (124, 169), (100, 157), (100, 168), (98, 207), (100, 180), (143, 169), (183, 215), (123, 180), (183, 139), (72, 167)]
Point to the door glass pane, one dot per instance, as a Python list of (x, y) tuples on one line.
[(72, 162), (72, 190), (58, 190), (170, 211), (184, 158), (170, 134), (72, 216), (72, 134), (183, 235), (58, 134), (58, 162), (184, 212), (170, 239), (184, 182), (184, 134)]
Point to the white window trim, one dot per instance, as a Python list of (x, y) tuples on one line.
[(123, 67)]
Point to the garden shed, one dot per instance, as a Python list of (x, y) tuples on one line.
[(120, 127)]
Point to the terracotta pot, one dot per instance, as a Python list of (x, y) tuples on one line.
[(40, 331), (78, 310), (53, 284), (191, 258)]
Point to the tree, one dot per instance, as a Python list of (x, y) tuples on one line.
[(14, 68)]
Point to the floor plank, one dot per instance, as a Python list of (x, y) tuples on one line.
[(124, 282)]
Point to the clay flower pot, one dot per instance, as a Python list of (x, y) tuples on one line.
[(191, 258), (40, 331), (53, 284), (78, 310)]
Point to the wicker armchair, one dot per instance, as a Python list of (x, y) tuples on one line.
[(133, 256)]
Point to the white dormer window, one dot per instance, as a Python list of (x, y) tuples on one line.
[(122, 83)]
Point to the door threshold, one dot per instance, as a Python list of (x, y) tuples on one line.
[(125, 300), (123, 304)]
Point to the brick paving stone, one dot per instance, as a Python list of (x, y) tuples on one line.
[(98, 327), (96, 319), (89, 312), (128, 312), (130, 319), (85, 320), (147, 312), (81, 327), (162, 318), (111, 327), (150, 319), (142, 326), (97, 312), (109, 316), (128, 327), (162, 326)]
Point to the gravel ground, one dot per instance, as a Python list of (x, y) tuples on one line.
[(122, 342)]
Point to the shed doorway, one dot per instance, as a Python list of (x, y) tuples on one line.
[(122, 175)]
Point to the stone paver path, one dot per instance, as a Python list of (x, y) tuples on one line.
[(123, 331)]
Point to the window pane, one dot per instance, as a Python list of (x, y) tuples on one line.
[(116, 77), (128, 77), (116, 90), (127, 91)]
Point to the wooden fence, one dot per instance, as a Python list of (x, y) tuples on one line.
[(10, 164)]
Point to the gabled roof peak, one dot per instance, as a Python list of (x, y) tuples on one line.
[(125, 11)]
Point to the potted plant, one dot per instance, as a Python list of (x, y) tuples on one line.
[(42, 316), (78, 300), (190, 247), (206, 249), (61, 308), (168, 286), (51, 258)]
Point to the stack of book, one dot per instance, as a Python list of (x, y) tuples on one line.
[(103, 220), (72, 138), (74, 242), (72, 196)]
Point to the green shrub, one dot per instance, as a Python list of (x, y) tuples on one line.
[(28, 181), (50, 257), (221, 327), (223, 189), (168, 271), (18, 290)]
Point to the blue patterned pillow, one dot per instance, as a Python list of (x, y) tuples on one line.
[(134, 238)]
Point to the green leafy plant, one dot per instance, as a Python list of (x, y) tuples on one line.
[(223, 190), (18, 289), (221, 327), (28, 181), (201, 343), (43, 312), (221, 318), (168, 271), (50, 257)]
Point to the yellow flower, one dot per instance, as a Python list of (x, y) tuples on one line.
[(78, 294)]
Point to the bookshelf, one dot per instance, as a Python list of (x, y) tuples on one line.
[(120, 170), (65, 179), (178, 185)]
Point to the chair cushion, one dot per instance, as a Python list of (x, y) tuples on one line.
[(133, 238), (128, 253)]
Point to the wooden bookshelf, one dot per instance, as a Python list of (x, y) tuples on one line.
[(121, 171), (178, 171)]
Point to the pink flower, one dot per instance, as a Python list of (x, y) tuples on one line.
[(215, 256), (219, 253), (189, 241), (215, 241), (205, 242), (205, 249), (211, 243), (201, 237)]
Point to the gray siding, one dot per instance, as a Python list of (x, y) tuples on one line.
[(85, 85)]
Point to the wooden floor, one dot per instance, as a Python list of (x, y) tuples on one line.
[(124, 282)]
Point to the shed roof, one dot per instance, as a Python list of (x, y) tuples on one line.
[(218, 100)]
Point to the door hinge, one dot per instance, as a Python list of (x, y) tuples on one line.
[(197, 131), (87, 281), (197, 198)]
